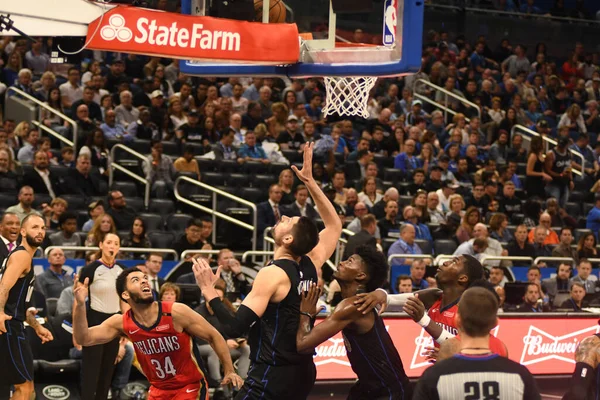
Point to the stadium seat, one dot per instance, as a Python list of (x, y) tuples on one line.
[(141, 146), (586, 208), (82, 237), (253, 194), (171, 149), (262, 181), (386, 243), (8, 199), (392, 174), (51, 303), (76, 202), (340, 158), (178, 222), (276, 168), (517, 219), (443, 246), (577, 196), (404, 201), (383, 162), (292, 155), (559, 299), (425, 246), (198, 148), (40, 199), (573, 209), (161, 240), (191, 175), (236, 180), (129, 189), (59, 171), (212, 178), (161, 206), (227, 166), (254, 167), (136, 203), (205, 164), (82, 218), (153, 222)]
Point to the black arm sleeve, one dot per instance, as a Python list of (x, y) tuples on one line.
[(234, 326), (582, 378)]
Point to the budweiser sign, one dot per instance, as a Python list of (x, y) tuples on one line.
[(540, 346), (138, 30)]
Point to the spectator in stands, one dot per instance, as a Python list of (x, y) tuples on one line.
[(94, 111), (585, 277), (529, 7), (405, 244), (509, 203), (9, 181), (559, 215), (389, 226), (573, 119), (516, 63), (82, 180), (23, 208), (497, 277), (54, 279), (153, 266), (66, 235), (26, 153), (122, 215), (369, 194), (407, 161), (95, 147), (291, 138), (191, 239), (539, 237), (102, 225), (251, 151), (137, 238), (113, 129), (169, 292), (494, 248), (560, 283), (187, 163), (448, 188), (67, 157), (456, 205), (368, 225), (41, 179), (534, 275), (231, 273), (520, 246), (586, 248), (159, 170), (593, 217), (126, 113), (499, 150), (536, 176), (498, 228), (205, 234), (268, 212), (253, 117), (339, 183), (576, 301), (532, 300), (302, 208), (71, 90), (417, 275), (224, 150), (421, 230), (435, 216), (95, 209), (564, 249), (403, 284), (418, 181), (10, 226), (379, 208), (462, 176), (419, 202), (470, 219), (551, 238), (476, 248), (558, 165)]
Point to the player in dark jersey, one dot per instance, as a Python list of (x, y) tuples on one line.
[(370, 349), (476, 372), (453, 277), (16, 287), (161, 334), (271, 310), (584, 382)]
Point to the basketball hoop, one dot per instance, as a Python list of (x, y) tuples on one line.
[(348, 95)]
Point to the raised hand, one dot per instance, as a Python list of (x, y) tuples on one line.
[(368, 301), (81, 290), (414, 308), (203, 272), (305, 174), (309, 300)]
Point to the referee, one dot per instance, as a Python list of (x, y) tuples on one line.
[(103, 302), (475, 372)]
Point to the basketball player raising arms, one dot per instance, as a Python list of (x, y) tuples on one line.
[(453, 277), (369, 346), (16, 287), (162, 336), (584, 382), (271, 311)]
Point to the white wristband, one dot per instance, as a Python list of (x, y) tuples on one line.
[(445, 335), (424, 322)]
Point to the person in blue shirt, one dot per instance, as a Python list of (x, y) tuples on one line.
[(593, 218), (421, 230), (530, 8), (250, 151), (406, 161), (405, 245)]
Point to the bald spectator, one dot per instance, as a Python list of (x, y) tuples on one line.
[(26, 153), (404, 245), (365, 237), (389, 226), (382, 120), (264, 100), (235, 123), (119, 211), (539, 246), (407, 161), (422, 231), (85, 126), (379, 208), (95, 112), (126, 113), (114, 130), (41, 179), (550, 238), (24, 207), (351, 200), (54, 279), (435, 215)]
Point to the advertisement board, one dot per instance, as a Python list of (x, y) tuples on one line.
[(543, 345)]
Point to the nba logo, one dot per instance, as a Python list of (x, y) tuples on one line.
[(390, 21)]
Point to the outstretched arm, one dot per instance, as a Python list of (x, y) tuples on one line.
[(394, 302), (587, 357), (195, 325), (329, 236)]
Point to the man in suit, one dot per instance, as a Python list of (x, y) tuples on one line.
[(224, 149), (153, 265), (300, 208), (269, 212), (9, 230), (231, 273), (558, 284), (81, 180), (368, 224), (41, 179)]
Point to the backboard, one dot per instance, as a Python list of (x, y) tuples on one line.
[(374, 38)]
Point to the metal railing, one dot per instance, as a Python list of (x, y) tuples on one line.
[(547, 142), (48, 249), (186, 253), (213, 211), (39, 123), (559, 259), (420, 256), (447, 94), (53, 133), (113, 165), (505, 258)]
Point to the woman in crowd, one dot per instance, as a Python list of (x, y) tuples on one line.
[(469, 220), (457, 205), (427, 158), (290, 101), (586, 247), (536, 177), (419, 202), (498, 228), (137, 238), (286, 181), (573, 119), (103, 225), (95, 147), (106, 104), (369, 194), (176, 113), (53, 212), (169, 292)]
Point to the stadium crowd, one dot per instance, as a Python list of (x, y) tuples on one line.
[(412, 178)]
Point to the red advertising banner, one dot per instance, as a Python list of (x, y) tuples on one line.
[(543, 345), (143, 31)]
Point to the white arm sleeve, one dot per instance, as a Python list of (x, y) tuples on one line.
[(395, 302)]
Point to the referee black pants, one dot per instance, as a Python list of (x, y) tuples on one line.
[(98, 364)]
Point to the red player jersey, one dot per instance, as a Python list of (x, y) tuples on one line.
[(445, 318), (165, 355)]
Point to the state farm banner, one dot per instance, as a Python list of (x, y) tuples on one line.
[(139, 30), (543, 345)]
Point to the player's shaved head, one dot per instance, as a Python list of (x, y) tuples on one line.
[(30, 217), (477, 312)]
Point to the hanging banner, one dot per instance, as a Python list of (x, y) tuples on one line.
[(128, 29)]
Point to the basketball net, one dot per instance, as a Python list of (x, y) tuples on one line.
[(348, 95)]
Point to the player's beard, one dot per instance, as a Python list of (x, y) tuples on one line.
[(137, 299), (33, 242)]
